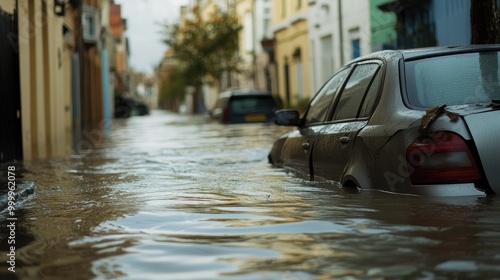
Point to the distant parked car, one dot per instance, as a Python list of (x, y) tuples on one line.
[(141, 109), (124, 107), (423, 121), (244, 106)]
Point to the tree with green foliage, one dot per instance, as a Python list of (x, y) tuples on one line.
[(204, 48), (172, 89)]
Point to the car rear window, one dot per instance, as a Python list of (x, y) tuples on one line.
[(245, 104), (453, 79)]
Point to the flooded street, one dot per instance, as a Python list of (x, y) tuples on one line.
[(170, 196)]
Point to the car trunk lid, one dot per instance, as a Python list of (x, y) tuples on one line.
[(485, 130)]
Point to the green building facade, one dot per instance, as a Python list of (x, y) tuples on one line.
[(383, 25)]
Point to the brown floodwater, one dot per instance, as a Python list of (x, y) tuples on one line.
[(170, 196)]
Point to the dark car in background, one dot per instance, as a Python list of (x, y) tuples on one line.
[(244, 106), (422, 121)]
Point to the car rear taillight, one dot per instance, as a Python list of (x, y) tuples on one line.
[(442, 158)]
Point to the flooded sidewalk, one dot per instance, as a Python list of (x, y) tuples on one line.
[(171, 196)]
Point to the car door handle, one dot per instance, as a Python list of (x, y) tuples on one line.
[(306, 146), (345, 140)]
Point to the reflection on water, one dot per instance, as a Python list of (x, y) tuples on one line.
[(174, 197)]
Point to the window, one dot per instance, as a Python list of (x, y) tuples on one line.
[(354, 35), (371, 96), (267, 28), (298, 71), (321, 102), (355, 48), (248, 31), (326, 57), (354, 91), (267, 18), (90, 25), (453, 79), (249, 104), (299, 80)]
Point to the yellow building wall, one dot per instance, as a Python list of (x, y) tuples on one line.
[(284, 10), (42, 80), (8, 5), (57, 81), (291, 34)]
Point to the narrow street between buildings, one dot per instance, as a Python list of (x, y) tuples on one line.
[(170, 196)]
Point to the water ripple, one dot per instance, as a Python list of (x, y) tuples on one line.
[(169, 196)]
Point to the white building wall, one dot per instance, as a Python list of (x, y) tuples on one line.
[(263, 17), (356, 19), (263, 14), (253, 15), (324, 24), (248, 34)]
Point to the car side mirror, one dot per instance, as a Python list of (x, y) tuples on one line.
[(287, 117)]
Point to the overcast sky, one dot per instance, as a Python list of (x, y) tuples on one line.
[(143, 29)]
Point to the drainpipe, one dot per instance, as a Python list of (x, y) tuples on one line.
[(105, 82), (341, 33)]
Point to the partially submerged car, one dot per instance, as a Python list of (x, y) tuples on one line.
[(244, 106), (422, 121)]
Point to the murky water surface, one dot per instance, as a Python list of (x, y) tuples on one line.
[(174, 197)]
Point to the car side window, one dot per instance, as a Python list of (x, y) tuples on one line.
[(319, 106), (371, 96), (354, 91)]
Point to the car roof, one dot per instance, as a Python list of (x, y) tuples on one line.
[(419, 53), (436, 51)]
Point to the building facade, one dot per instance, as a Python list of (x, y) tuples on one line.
[(291, 50), (430, 22), (254, 16), (339, 31), (383, 27), (45, 45), (60, 51), (11, 142)]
